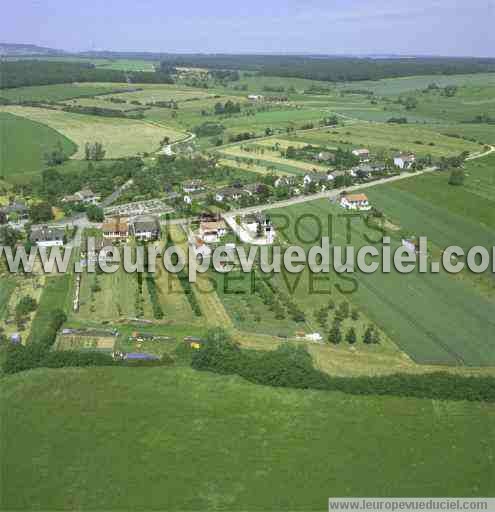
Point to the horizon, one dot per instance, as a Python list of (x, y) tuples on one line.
[(342, 28)]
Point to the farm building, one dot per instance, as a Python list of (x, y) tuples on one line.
[(255, 97), (85, 196), (404, 160), (145, 228), (116, 229), (355, 202), (363, 154), (47, 236), (15, 211), (229, 194)]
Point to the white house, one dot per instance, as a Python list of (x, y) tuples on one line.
[(193, 186), (255, 97), (404, 160), (358, 202), (229, 194), (187, 199), (47, 236), (362, 153), (212, 232)]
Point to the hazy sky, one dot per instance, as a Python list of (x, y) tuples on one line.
[(442, 27)]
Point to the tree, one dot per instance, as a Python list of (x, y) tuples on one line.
[(355, 315), (259, 230), (368, 335), (25, 306), (351, 337), (457, 177), (9, 236), (42, 212), (335, 334), (56, 156), (95, 213)]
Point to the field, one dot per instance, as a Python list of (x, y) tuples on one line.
[(390, 138), (7, 286), (163, 92), (23, 144), (456, 331), (59, 92), (199, 441), (120, 137)]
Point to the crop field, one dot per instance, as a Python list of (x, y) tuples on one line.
[(23, 144), (396, 86), (484, 133), (100, 102), (162, 92), (298, 448), (391, 138), (120, 137), (56, 295), (457, 331), (271, 157), (7, 286), (59, 92)]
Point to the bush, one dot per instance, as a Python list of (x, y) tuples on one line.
[(292, 366)]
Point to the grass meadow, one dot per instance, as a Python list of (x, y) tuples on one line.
[(175, 439), (120, 137), (23, 144)]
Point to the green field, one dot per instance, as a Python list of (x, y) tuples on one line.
[(120, 137), (59, 92), (457, 330), (23, 144), (7, 286), (56, 296), (175, 439), (390, 138)]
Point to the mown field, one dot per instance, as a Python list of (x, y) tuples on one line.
[(23, 144), (7, 286), (175, 439), (457, 330), (120, 137)]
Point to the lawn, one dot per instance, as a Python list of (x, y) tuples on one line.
[(23, 144), (175, 439), (457, 330), (120, 137)]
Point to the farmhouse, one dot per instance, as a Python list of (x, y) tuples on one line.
[(363, 154), (355, 202), (45, 236), (404, 160), (212, 232), (255, 97), (284, 181), (145, 228), (116, 229), (325, 156)]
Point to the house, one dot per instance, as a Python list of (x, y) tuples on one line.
[(116, 229), (201, 249), (325, 156), (355, 202), (255, 97), (187, 199), (47, 236), (284, 181), (404, 160), (212, 232), (411, 245), (15, 211), (308, 179), (363, 154), (229, 194), (86, 196), (16, 338), (146, 228), (193, 186)]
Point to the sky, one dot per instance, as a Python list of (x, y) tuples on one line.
[(419, 27)]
